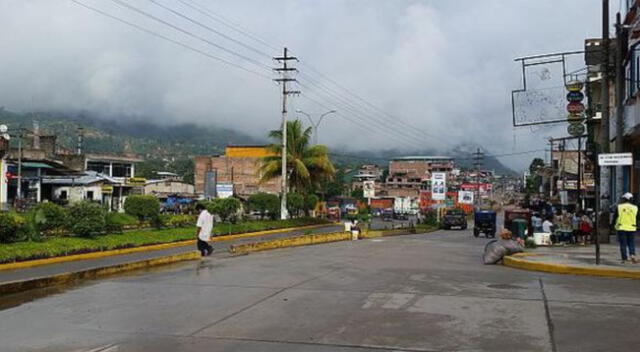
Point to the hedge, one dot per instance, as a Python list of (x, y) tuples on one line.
[(61, 246)]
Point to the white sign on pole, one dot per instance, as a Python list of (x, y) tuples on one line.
[(439, 186), (224, 190), (369, 189), (465, 197), (615, 159)]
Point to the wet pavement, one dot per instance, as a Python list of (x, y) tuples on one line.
[(582, 256), (409, 293), (80, 265)]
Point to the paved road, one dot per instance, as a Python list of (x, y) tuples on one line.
[(408, 293), (80, 265)]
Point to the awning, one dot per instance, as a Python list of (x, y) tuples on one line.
[(36, 165)]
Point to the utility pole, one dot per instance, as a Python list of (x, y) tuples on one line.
[(620, 85), (285, 71), (478, 157)]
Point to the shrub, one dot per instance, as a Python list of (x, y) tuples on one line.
[(265, 203), (179, 221), (49, 217), (142, 207), (225, 208), (86, 219), (10, 226), (431, 218), (310, 203), (116, 222), (295, 203)]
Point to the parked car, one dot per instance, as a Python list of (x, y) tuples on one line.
[(387, 215), (454, 218)]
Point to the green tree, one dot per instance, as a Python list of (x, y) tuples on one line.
[(265, 204), (307, 165), (143, 207), (357, 193), (310, 203), (295, 203), (225, 208)]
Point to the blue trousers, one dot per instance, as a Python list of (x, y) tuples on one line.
[(626, 239)]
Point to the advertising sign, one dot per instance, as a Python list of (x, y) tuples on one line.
[(465, 197), (210, 179), (439, 186), (224, 190), (615, 159), (369, 189)]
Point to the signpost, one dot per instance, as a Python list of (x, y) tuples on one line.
[(369, 189), (615, 159), (610, 160), (439, 186)]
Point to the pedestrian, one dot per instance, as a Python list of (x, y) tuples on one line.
[(204, 226), (575, 226), (586, 226), (548, 227), (625, 221), (536, 222)]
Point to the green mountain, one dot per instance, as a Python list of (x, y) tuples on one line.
[(171, 147), (149, 140)]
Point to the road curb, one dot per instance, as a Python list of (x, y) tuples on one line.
[(296, 241), (70, 277), (154, 247), (517, 261)]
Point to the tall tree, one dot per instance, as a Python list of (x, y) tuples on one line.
[(308, 165)]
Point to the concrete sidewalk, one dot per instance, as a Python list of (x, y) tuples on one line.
[(17, 275), (576, 259)]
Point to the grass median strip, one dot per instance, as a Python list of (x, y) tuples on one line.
[(63, 246)]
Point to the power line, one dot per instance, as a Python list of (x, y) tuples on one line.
[(388, 125), (177, 28), (176, 42), (227, 23), (213, 30)]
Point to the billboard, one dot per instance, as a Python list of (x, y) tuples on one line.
[(369, 189), (224, 190), (439, 186), (465, 197), (210, 180)]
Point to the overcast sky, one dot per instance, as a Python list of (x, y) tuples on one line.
[(440, 72)]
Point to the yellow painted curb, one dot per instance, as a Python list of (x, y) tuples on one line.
[(66, 278), (517, 261), (154, 247), (290, 242)]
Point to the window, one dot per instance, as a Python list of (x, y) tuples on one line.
[(121, 170), (63, 195), (98, 167), (90, 195), (633, 72)]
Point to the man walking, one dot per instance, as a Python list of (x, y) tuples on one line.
[(625, 220), (204, 226)]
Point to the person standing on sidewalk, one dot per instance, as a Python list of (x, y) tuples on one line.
[(204, 226), (625, 219)]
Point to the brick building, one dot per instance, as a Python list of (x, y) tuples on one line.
[(238, 166), (407, 175)]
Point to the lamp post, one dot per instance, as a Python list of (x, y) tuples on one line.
[(316, 124)]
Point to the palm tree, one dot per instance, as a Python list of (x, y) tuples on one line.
[(307, 164)]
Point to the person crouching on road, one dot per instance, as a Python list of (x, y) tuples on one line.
[(204, 226), (625, 218)]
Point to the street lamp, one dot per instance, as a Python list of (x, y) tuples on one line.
[(316, 124)]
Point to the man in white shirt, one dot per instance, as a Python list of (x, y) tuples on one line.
[(547, 226), (204, 226)]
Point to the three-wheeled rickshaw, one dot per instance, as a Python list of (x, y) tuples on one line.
[(484, 221)]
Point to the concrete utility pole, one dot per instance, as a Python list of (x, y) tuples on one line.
[(620, 91), (284, 72), (478, 156), (315, 125)]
